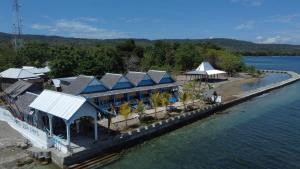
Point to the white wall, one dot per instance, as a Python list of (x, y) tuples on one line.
[(37, 137)]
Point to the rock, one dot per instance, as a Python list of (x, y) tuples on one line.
[(45, 162), (20, 163), (28, 160), (23, 146)]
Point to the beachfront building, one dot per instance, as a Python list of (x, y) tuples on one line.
[(205, 71), (112, 89), (18, 96), (62, 114), (27, 73)]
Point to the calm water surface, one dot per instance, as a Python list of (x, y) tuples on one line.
[(261, 133)]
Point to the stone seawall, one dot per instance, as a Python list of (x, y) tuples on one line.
[(141, 134)]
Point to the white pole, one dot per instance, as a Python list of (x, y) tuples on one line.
[(68, 134), (50, 124), (96, 128)]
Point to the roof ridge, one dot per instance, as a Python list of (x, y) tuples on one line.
[(115, 74), (62, 93)]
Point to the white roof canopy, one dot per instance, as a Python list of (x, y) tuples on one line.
[(65, 106), (35, 70), (207, 69), (17, 73)]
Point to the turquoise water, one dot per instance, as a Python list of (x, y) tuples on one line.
[(261, 133), (267, 80)]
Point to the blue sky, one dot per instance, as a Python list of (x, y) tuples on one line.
[(262, 21)]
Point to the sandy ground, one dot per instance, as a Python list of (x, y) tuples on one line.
[(227, 88), (233, 87), (9, 151)]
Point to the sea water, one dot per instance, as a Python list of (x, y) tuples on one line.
[(261, 133)]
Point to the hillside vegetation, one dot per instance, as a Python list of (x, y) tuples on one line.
[(71, 56)]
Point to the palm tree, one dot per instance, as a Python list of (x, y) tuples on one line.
[(184, 97), (140, 108), (190, 88), (109, 117), (155, 100), (165, 100), (125, 110)]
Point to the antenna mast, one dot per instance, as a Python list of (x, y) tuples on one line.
[(17, 25)]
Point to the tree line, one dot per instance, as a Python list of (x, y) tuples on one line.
[(69, 59)]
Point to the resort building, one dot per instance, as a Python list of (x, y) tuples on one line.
[(69, 117), (19, 95), (27, 73), (62, 114), (112, 89)]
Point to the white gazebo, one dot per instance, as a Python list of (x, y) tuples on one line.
[(66, 107), (205, 70)]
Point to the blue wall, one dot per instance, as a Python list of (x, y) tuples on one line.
[(122, 85), (94, 88), (146, 83), (166, 80)]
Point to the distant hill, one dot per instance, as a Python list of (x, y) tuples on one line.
[(242, 47)]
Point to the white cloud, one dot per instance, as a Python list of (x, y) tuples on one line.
[(131, 20), (40, 26), (259, 38), (79, 28), (249, 2), (246, 26), (283, 18), (277, 39)]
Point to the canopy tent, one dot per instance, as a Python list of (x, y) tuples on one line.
[(205, 68)]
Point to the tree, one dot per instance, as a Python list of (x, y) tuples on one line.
[(34, 54), (109, 117), (165, 100), (155, 100), (187, 57), (65, 61), (125, 110), (191, 89), (184, 97), (140, 109)]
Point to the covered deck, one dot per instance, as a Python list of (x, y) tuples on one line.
[(56, 111)]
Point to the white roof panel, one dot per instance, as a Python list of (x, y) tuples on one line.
[(206, 68), (17, 73), (35, 70), (58, 104)]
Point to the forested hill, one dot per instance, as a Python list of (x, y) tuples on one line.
[(242, 47)]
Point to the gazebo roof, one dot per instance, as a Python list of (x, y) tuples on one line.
[(65, 106), (205, 68)]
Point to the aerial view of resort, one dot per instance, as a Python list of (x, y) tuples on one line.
[(135, 84)]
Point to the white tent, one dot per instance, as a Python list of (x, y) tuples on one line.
[(208, 69), (205, 68)]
